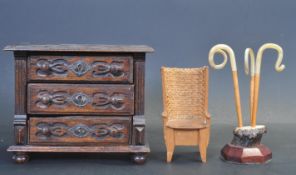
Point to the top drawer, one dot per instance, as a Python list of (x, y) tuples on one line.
[(81, 68)]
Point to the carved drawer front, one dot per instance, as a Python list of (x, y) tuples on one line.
[(80, 99), (79, 130), (81, 68)]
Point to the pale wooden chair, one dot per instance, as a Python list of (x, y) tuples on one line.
[(186, 121)]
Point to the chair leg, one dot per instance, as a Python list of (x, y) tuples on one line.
[(165, 134), (203, 143), (170, 144), (208, 135)]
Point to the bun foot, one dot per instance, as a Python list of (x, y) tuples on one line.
[(20, 157), (139, 158)]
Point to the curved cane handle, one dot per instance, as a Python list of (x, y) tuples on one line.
[(212, 61), (278, 65), (225, 51), (249, 54)]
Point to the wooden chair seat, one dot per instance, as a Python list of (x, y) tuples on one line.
[(188, 123)]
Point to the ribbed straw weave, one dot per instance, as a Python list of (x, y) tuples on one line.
[(185, 92)]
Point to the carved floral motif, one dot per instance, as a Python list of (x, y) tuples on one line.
[(99, 100), (45, 98), (80, 99), (102, 68), (97, 131), (103, 100), (61, 67), (48, 67), (79, 68)]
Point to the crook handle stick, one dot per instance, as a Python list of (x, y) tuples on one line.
[(226, 51), (249, 54), (278, 67)]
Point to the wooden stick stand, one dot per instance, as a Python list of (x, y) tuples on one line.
[(245, 148)]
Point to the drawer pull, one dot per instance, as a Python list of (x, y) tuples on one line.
[(45, 131), (46, 99), (46, 67), (57, 130)]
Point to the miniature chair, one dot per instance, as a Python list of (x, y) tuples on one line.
[(186, 121)]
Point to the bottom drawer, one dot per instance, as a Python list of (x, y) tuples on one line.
[(79, 130)]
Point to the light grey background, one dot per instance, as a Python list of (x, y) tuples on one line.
[(181, 32)]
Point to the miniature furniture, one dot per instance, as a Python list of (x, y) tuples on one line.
[(246, 146), (186, 121), (79, 99)]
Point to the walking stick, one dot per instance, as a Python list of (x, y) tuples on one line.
[(278, 67), (249, 54), (226, 51)]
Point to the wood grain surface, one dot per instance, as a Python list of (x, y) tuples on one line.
[(81, 68), (80, 48), (86, 99), (79, 130)]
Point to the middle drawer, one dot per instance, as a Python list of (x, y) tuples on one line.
[(80, 99)]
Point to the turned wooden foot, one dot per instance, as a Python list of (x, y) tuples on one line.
[(20, 157), (139, 158)]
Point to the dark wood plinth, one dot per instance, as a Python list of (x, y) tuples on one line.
[(245, 155), (138, 152), (79, 149), (245, 147)]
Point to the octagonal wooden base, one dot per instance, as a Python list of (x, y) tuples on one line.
[(246, 155), (245, 147)]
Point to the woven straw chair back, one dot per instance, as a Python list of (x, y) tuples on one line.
[(185, 92)]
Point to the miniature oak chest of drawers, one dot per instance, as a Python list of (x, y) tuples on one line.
[(79, 98)]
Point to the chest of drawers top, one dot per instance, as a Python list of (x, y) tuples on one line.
[(96, 48)]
